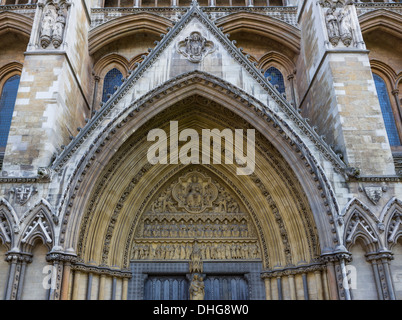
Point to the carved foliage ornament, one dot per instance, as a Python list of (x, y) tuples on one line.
[(195, 47)]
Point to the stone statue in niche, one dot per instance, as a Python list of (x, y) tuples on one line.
[(58, 29), (345, 28), (332, 27), (53, 25), (195, 47), (339, 26), (46, 33)]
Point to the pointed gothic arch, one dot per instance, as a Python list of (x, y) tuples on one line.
[(359, 225), (37, 225), (124, 26), (117, 136), (8, 223), (392, 214)]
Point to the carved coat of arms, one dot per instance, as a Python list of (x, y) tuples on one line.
[(373, 193), (23, 193), (195, 47)]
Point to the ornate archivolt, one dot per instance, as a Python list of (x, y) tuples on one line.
[(195, 208), (138, 199)]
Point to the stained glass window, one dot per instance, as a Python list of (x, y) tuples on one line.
[(386, 110), (276, 78), (112, 79), (7, 102)]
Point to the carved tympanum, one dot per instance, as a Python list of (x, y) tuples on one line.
[(195, 208)]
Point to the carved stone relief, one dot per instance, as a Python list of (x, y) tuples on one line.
[(195, 47), (195, 208)]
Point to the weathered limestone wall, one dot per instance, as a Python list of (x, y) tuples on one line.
[(339, 95)]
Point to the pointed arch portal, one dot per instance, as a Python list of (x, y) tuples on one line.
[(138, 215), (164, 222)]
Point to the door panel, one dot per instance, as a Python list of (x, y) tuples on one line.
[(166, 288), (176, 288)]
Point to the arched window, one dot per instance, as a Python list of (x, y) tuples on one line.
[(276, 78), (386, 110), (112, 79), (7, 102)]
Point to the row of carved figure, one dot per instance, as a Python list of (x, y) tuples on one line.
[(182, 251), (198, 230)]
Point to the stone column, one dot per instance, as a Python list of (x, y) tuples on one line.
[(305, 286), (317, 275), (292, 286), (96, 79), (12, 259), (376, 273), (66, 281), (385, 259), (267, 282), (102, 281), (25, 260), (331, 276), (76, 285), (89, 288), (292, 89), (382, 274), (395, 93), (124, 289)]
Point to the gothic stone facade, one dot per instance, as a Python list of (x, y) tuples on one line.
[(85, 214)]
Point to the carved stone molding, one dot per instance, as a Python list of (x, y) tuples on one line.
[(293, 270), (101, 270)]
